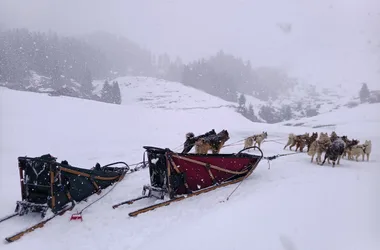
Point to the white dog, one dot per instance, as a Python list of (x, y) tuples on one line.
[(361, 150)]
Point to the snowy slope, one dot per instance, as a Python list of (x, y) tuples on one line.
[(159, 93), (365, 118), (304, 96), (294, 205), (175, 95)]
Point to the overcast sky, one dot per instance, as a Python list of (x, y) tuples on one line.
[(324, 41)]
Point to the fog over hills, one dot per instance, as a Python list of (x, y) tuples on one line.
[(324, 42)]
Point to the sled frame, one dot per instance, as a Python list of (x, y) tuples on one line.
[(152, 191)]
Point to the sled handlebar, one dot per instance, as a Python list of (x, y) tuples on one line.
[(155, 149), (261, 152), (114, 163)]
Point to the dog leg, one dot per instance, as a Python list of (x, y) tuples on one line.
[(246, 143), (292, 145), (196, 149), (324, 160), (318, 158), (217, 150), (290, 142)]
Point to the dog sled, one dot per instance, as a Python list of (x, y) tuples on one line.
[(178, 176), (47, 185)]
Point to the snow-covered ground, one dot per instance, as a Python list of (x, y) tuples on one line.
[(303, 96), (293, 205), (174, 95), (162, 94), (358, 121)]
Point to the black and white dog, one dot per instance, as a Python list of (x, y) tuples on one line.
[(335, 151)]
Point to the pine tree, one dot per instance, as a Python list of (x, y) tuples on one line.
[(242, 100), (56, 79), (86, 82), (250, 112), (116, 93), (106, 92), (268, 113), (364, 93), (286, 112)]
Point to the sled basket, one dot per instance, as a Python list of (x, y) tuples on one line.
[(178, 173), (47, 184)]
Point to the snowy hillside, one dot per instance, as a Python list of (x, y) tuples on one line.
[(157, 93), (364, 117), (304, 97), (303, 100), (295, 205)]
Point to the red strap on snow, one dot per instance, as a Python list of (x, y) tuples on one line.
[(76, 217)]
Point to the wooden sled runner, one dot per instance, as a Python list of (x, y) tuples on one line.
[(47, 185), (181, 176)]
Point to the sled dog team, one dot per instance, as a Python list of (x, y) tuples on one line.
[(334, 146)]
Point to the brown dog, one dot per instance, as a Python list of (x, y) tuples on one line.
[(311, 139), (212, 142), (300, 142), (318, 147)]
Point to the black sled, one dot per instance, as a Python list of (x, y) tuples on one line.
[(47, 185)]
